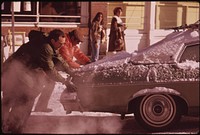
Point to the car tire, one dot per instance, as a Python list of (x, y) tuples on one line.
[(157, 112)]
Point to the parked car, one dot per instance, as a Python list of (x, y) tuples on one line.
[(158, 84)]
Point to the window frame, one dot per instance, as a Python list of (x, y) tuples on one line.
[(126, 19), (193, 44), (164, 19), (37, 23)]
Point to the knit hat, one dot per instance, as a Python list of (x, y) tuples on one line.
[(77, 34)]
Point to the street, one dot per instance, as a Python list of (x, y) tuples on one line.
[(94, 123), (58, 122)]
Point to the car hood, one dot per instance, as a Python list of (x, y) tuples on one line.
[(163, 51)]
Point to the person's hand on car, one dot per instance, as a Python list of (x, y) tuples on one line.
[(70, 86)]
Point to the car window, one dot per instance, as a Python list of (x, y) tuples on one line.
[(190, 53)]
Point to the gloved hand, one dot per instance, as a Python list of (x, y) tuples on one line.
[(70, 86), (88, 62)]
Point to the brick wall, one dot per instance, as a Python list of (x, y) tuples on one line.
[(99, 7), (4, 30)]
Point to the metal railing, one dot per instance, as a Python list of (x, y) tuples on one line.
[(39, 20)]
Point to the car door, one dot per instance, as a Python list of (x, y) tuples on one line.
[(188, 60)]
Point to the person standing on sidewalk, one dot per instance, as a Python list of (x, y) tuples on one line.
[(97, 35), (116, 37)]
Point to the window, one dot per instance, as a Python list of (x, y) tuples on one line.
[(6, 12), (190, 53), (172, 14), (132, 16), (31, 13), (70, 9)]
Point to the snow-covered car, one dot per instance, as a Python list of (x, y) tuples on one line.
[(158, 84)]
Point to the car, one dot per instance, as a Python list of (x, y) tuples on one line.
[(158, 84)]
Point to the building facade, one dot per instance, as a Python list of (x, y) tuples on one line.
[(147, 22)]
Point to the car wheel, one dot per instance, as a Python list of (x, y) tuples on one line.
[(157, 112)]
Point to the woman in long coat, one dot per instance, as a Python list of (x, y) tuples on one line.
[(116, 37)]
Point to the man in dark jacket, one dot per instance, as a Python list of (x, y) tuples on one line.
[(26, 73)]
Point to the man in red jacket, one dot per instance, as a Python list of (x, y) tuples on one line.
[(70, 50)]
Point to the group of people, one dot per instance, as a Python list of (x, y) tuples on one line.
[(98, 33), (34, 68)]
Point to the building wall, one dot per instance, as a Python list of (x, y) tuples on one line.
[(85, 46), (137, 37)]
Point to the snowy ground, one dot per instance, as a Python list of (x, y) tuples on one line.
[(58, 110)]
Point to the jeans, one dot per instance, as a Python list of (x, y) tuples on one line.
[(95, 50)]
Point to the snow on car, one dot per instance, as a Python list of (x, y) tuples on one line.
[(157, 84)]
